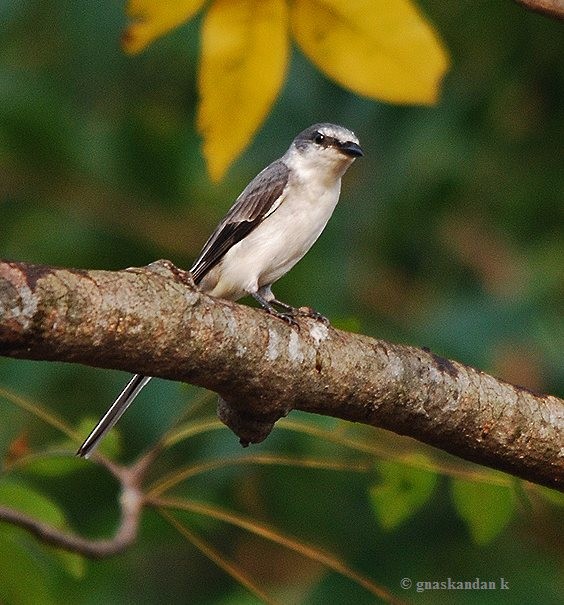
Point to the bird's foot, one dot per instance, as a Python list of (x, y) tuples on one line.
[(289, 313), (301, 312), (310, 312), (287, 316)]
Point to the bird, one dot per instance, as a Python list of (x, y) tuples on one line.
[(269, 228)]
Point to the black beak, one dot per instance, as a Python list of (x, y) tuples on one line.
[(352, 149)]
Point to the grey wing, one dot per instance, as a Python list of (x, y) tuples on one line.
[(261, 197)]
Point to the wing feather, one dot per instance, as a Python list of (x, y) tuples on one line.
[(260, 198)]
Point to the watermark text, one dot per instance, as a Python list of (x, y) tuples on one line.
[(455, 584)]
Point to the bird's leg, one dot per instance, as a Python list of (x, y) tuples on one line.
[(267, 306), (288, 308)]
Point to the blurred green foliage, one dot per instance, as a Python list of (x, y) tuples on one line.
[(401, 491), (449, 234)]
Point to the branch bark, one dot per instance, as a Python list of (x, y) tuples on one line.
[(550, 8), (151, 321)]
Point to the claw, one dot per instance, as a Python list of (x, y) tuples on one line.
[(309, 312)]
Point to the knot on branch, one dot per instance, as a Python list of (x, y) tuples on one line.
[(249, 426), (168, 269)]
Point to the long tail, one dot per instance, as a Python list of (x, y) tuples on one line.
[(125, 399)]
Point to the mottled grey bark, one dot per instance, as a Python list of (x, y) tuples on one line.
[(152, 321)]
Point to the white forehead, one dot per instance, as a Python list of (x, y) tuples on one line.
[(338, 132)]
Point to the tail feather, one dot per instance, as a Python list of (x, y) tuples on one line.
[(109, 419)]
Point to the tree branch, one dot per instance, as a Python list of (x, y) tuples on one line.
[(550, 8), (150, 320), (131, 504)]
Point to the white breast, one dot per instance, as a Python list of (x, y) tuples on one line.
[(284, 236), (278, 243)]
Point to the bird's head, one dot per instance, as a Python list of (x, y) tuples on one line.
[(326, 147)]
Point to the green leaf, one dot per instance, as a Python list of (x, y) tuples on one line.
[(22, 580), (53, 465), (73, 564), (28, 500), (403, 490), (484, 507), (550, 495)]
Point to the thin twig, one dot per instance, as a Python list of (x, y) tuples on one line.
[(131, 502), (265, 531), (131, 506)]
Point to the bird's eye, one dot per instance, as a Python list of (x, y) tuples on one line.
[(318, 138)]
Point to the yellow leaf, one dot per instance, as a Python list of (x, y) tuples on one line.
[(381, 49), (243, 63), (153, 18)]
